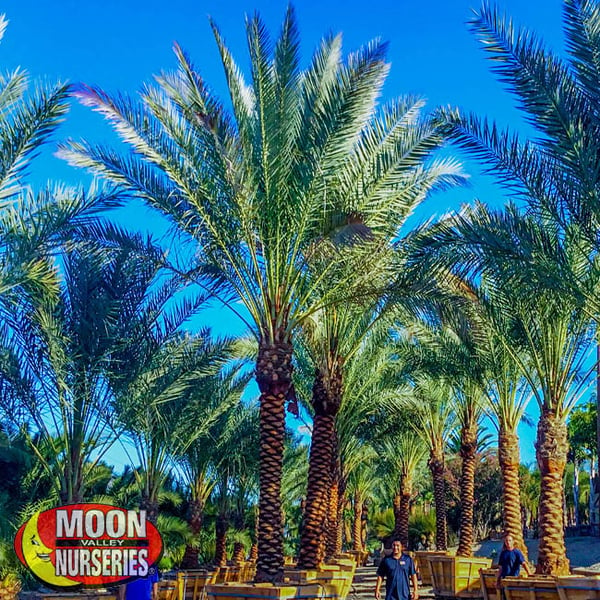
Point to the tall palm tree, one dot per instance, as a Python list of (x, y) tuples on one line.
[(262, 191)]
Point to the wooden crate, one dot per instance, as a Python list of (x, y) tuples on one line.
[(488, 578), (193, 583), (457, 576), (578, 587), (536, 587), (263, 591), (422, 564)]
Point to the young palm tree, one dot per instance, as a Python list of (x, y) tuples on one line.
[(264, 190), (66, 351), (433, 419), (404, 452)]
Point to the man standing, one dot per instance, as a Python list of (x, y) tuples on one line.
[(510, 561), (397, 569)]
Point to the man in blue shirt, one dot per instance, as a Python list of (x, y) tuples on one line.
[(510, 561), (142, 588), (398, 569)]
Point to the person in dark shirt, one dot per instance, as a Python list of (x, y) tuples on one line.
[(510, 561), (398, 569), (142, 588)]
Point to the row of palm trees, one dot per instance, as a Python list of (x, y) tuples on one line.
[(288, 208)]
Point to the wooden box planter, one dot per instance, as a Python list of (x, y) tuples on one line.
[(336, 584), (422, 564), (194, 582), (578, 587), (457, 576), (488, 578), (536, 587), (264, 591), (294, 575)]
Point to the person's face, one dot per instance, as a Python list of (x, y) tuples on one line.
[(509, 542), (397, 548)]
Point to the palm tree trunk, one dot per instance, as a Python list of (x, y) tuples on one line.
[(437, 467), (576, 492), (405, 494), (396, 504), (509, 459), (357, 523), (551, 453), (150, 505), (274, 378), (221, 540), (196, 517), (468, 453), (341, 505), (333, 542), (325, 401), (239, 553)]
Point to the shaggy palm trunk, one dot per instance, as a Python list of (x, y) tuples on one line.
[(150, 505), (437, 467), (333, 541), (239, 553), (509, 459), (357, 523), (221, 540), (341, 505), (551, 452), (468, 453), (326, 396), (405, 494), (396, 505), (274, 378), (196, 517)]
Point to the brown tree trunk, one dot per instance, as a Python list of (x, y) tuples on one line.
[(357, 523), (196, 516), (405, 494), (274, 378), (151, 508), (437, 467), (551, 451), (326, 397), (396, 505), (341, 506), (468, 453), (509, 460), (239, 553), (221, 540), (333, 542)]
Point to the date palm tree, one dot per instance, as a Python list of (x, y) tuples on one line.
[(429, 402), (262, 191)]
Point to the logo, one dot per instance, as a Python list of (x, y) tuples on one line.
[(88, 545)]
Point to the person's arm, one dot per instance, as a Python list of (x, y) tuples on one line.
[(378, 587), (527, 566), (415, 583)]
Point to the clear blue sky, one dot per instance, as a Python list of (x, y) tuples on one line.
[(119, 45)]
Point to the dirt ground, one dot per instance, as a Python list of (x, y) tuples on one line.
[(581, 551)]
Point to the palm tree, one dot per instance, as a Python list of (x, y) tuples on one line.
[(65, 351), (404, 452), (432, 419), (262, 191)]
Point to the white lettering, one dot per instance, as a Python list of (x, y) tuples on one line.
[(66, 528)]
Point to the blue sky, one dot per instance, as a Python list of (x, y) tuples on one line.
[(119, 45)]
